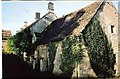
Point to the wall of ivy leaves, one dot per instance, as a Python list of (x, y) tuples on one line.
[(100, 51)]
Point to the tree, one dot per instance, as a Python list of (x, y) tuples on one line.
[(8, 46), (21, 42)]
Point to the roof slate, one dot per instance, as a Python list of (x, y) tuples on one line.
[(71, 24)]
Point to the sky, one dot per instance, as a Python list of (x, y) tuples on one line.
[(15, 13)]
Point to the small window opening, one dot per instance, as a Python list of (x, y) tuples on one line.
[(114, 55), (114, 71), (38, 51), (112, 29)]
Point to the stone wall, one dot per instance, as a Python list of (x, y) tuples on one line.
[(42, 52), (119, 43), (57, 60), (109, 22), (83, 69)]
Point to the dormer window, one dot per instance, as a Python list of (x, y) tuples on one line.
[(112, 28)]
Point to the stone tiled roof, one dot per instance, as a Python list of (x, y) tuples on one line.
[(90, 11), (72, 23)]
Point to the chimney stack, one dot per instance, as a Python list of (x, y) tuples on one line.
[(25, 23), (50, 7), (37, 15)]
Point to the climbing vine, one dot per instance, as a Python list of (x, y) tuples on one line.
[(71, 53), (100, 50), (52, 52)]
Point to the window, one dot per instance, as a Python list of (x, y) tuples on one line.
[(114, 55), (112, 29), (114, 71), (38, 51)]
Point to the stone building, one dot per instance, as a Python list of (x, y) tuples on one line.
[(74, 24), (36, 28), (41, 23), (5, 35)]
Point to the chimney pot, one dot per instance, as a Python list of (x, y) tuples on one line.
[(25, 23), (37, 15), (50, 7)]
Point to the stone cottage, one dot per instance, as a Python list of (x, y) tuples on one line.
[(96, 29), (41, 23), (35, 29)]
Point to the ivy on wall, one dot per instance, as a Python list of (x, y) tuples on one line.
[(71, 53), (52, 52), (100, 50)]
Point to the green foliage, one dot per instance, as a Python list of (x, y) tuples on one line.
[(21, 42), (52, 52), (10, 46), (71, 53), (100, 50)]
